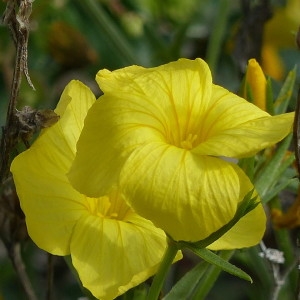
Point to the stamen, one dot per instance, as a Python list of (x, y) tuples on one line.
[(101, 207), (188, 143)]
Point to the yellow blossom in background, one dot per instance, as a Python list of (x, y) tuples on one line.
[(164, 135), (272, 62), (112, 248), (257, 84), (279, 34)]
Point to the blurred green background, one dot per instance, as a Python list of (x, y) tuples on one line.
[(74, 39)]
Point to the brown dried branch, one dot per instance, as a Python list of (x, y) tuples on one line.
[(16, 17), (15, 255), (12, 232), (20, 125)]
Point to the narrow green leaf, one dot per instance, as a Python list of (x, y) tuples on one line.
[(185, 286), (208, 281), (269, 97), (216, 260), (217, 35), (247, 165), (139, 294), (285, 94), (277, 189), (273, 169)]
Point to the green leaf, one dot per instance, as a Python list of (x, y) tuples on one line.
[(247, 165), (208, 281), (186, 285), (278, 188), (217, 35), (137, 293), (273, 169), (216, 260), (285, 94), (269, 97)]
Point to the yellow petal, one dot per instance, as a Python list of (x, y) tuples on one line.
[(114, 256), (272, 63), (246, 233), (112, 248), (235, 128), (50, 204), (139, 105), (186, 195), (249, 230), (176, 104)]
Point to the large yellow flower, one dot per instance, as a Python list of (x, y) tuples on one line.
[(165, 135), (112, 248)]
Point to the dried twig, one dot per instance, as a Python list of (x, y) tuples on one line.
[(15, 255), (12, 232), (20, 125), (16, 17)]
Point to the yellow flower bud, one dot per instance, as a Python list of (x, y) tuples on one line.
[(256, 81)]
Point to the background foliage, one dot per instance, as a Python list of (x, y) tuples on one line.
[(74, 39)]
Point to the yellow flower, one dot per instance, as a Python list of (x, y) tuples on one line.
[(279, 34), (162, 134), (112, 248), (272, 63), (256, 81)]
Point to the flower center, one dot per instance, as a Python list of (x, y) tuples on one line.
[(111, 206), (189, 141)]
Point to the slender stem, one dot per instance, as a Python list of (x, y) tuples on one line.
[(14, 252), (50, 274), (217, 34), (164, 267), (210, 277)]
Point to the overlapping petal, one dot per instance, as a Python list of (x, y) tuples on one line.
[(249, 230), (171, 103), (112, 248), (236, 128), (51, 205), (187, 195), (139, 105), (120, 257), (161, 135)]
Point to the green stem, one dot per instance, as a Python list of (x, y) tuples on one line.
[(164, 267), (210, 277), (217, 34)]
